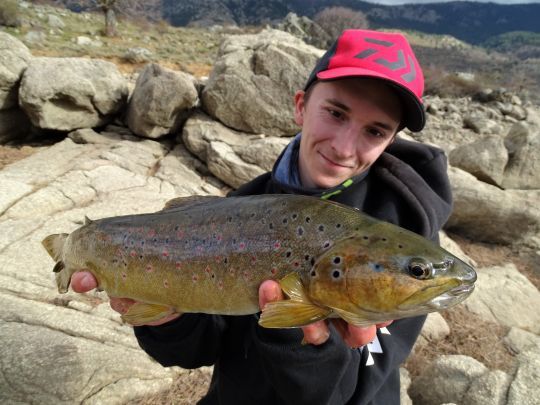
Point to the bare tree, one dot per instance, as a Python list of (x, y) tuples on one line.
[(336, 19), (111, 23)]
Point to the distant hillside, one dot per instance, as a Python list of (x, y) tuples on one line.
[(468, 21)]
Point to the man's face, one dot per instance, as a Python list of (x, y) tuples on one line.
[(346, 125)]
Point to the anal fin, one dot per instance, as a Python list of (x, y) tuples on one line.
[(141, 313)]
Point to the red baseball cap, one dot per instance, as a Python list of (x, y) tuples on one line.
[(386, 56)]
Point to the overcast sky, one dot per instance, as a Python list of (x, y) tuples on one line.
[(395, 2)]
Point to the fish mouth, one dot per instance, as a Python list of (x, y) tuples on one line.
[(451, 297)]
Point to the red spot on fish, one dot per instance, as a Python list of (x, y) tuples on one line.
[(151, 233), (180, 234), (194, 278), (217, 259), (242, 245), (124, 276), (207, 269), (219, 238), (296, 264), (149, 268), (220, 285), (253, 259), (165, 253), (245, 274), (274, 271), (165, 284), (277, 245), (200, 249), (178, 265), (133, 253)]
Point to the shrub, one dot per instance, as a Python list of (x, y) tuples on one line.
[(9, 13), (336, 19)]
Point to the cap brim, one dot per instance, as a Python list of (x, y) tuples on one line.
[(414, 113)]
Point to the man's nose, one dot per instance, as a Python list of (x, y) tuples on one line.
[(344, 143)]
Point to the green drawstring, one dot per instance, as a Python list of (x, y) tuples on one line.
[(345, 184)]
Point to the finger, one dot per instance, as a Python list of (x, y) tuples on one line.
[(357, 336), (269, 291), (316, 333), (83, 281)]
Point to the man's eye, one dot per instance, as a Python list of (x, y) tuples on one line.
[(335, 113), (376, 133)]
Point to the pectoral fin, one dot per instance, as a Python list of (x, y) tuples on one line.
[(141, 313), (292, 286), (291, 314)]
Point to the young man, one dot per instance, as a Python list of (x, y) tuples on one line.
[(365, 89)]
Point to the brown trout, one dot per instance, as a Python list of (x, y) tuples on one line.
[(210, 254)]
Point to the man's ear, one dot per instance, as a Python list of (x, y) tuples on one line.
[(299, 107)]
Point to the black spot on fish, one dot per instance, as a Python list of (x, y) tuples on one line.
[(308, 220), (313, 273), (400, 246), (167, 240), (300, 231), (226, 260), (294, 216), (142, 242), (176, 227), (338, 226), (252, 215), (336, 274), (365, 237), (229, 219), (326, 245), (141, 257), (306, 257), (271, 225), (384, 239), (285, 220), (321, 228), (288, 254), (337, 260), (312, 261)]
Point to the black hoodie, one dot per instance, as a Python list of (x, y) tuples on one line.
[(407, 186)]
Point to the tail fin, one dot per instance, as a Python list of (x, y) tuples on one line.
[(54, 244)]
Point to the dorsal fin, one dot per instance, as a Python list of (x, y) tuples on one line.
[(188, 201), (87, 220)]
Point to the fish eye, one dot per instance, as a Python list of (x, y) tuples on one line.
[(419, 269)]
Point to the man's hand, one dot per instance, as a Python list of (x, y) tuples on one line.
[(317, 333), (84, 281)]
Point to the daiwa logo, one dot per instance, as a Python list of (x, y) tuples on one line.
[(400, 63)]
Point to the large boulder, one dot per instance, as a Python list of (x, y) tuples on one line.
[(252, 85), (486, 213), (523, 169), (77, 92), (503, 295), (232, 156), (446, 380), (486, 159), (14, 58), (161, 101), (525, 389)]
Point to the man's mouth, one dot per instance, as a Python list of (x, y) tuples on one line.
[(333, 163)]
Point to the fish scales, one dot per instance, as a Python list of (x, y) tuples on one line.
[(211, 254)]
